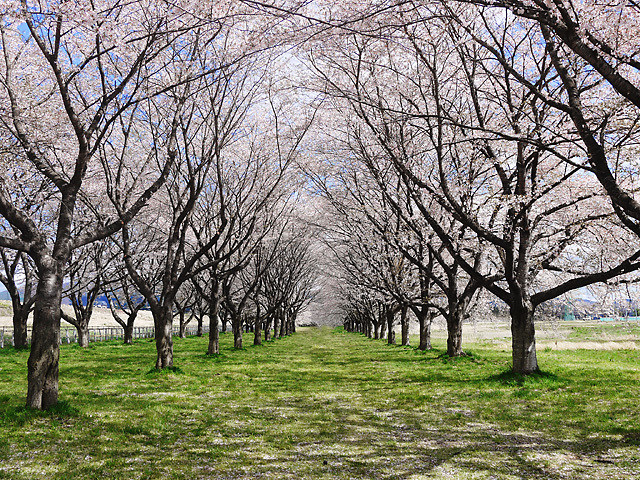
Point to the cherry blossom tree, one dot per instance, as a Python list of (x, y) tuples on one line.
[(461, 131), (85, 274), (71, 72), (591, 48)]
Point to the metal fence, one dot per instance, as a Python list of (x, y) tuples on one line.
[(99, 334)]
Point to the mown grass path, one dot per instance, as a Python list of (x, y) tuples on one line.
[(323, 404)]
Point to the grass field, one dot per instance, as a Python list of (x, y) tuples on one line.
[(325, 404)]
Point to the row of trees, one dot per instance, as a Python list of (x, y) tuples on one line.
[(147, 156), (458, 148), (479, 147)]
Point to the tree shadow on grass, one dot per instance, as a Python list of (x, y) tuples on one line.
[(358, 444), (510, 378), (12, 415)]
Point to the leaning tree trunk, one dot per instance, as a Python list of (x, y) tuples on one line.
[(404, 322), (42, 377), (523, 339), (163, 321), (20, 336)]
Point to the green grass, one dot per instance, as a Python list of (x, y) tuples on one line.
[(323, 404), (607, 331)]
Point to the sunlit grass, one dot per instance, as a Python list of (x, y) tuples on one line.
[(323, 404)]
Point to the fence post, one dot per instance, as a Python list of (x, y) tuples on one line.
[(2, 338)]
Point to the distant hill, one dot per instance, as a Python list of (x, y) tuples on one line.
[(4, 295)]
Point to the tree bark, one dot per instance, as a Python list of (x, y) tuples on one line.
[(214, 309), (236, 326), (42, 377), (128, 334), (163, 320), (391, 334), (83, 335), (225, 320), (200, 330), (257, 330), (283, 321), (267, 328), (454, 329), (183, 325), (424, 320), (523, 339), (20, 335), (276, 323), (404, 322)]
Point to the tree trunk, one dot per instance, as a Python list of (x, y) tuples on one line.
[(183, 326), (257, 329), (267, 329), (20, 336), (163, 320), (454, 328), (287, 323), (214, 309), (236, 326), (391, 334), (128, 333), (404, 322), (42, 378), (424, 320), (225, 320), (283, 321), (200, 330), (83, 334), (523, 339), (276, 323)]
